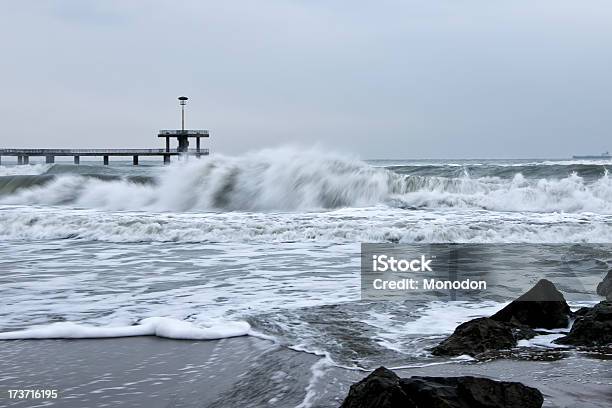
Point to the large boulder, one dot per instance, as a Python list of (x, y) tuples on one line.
[(605, 287), (592, 329), (543, 306), (384, 389), (380, 389), (480, 335)]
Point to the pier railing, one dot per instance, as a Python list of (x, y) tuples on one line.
[(94, 152), (178, 132)]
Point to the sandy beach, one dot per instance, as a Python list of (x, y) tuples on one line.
[(249, 372)]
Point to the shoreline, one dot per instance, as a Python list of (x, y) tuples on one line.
[(247, 371), (154, 372)]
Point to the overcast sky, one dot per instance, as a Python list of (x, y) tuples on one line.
[(382, 79)]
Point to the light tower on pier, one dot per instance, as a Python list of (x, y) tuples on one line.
[(183, 134), (183, 102), (183, 141)]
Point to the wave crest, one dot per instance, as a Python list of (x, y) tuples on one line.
[(280, 179), (295, 180)]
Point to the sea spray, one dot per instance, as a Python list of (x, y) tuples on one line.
[(310, 180), (279, 179), (24, 170)]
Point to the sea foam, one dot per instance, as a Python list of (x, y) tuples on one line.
[(375, 224), (153, 326), (33, 169)]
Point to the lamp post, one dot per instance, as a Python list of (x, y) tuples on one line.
[(182, 138), (182, 102)]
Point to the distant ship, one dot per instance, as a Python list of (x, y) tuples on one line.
[(605, 155)]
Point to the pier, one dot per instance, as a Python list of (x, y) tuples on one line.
[(181, 135), (23, 155)]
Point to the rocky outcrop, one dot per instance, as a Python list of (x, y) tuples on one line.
[(605, 287), (543, 306), (384, 389), (592, 329), (381, 389), (481, 335), (581, 312)]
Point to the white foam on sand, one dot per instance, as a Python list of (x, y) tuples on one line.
[(164, 327)]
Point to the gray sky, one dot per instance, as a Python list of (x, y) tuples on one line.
[(382, 79)]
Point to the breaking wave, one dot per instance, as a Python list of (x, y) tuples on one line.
[(294, 180), (24, 170), (375, 224)]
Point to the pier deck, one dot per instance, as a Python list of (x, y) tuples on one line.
[(23, 155)]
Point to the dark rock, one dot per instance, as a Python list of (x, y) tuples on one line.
[(581, 312), (480, 335), (380, 389), (543, 306), (605, 287), (592, 329), (470, 392), (384, 389)]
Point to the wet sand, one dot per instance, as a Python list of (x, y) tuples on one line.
[(248, 372), (153, 372)]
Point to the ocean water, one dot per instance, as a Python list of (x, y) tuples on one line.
[(267, 245)]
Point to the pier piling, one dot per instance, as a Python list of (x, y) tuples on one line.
[(135, 160), (19, 159), (105, 159), (49, 159), (77, 159)]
